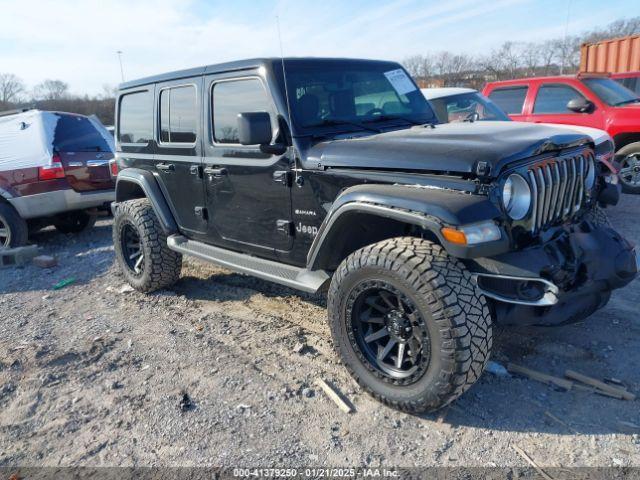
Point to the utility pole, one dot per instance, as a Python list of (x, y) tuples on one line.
[(119, 52), (564, 40)]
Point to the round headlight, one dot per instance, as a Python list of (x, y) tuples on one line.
[(590, 178), (516, 196)]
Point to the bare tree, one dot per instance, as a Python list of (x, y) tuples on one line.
[(532, 58), (108, 91), (51, 90), (548, 53), (451, 68), (567, 53), (419, 66), (11, 87), (619, 28)]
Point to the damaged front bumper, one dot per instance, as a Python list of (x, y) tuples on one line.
[(561, 281)]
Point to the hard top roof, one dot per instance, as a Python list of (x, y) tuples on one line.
[(439, 92), (237, 65)]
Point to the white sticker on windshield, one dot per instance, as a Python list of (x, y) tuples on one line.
[(400, 81)]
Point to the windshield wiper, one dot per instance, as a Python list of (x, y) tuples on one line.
[(338, 121), (384, 118), (624, 102)]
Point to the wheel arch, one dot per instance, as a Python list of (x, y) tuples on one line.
[(133, 183), (367, 214), (358, 225), (5, 196), (623, 139)]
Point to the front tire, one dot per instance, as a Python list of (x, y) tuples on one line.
[(408, 291), (141, 247), (13, 229)]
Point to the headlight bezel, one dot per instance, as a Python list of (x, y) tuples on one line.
[(516, 197)]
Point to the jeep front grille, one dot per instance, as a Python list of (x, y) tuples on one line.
[(557, 188)]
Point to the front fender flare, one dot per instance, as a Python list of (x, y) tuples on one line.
[(147, 182), (428, 208)]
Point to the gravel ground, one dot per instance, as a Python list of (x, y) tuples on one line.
[(94, 375)]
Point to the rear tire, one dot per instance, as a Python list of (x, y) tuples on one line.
[(434, 297), (13, 228), (629, 159), (141, 247), (75, 222)]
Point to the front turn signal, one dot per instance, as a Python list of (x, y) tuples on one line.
[(472, 234), (454, 236)]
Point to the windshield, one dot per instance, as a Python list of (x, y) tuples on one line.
[(354, 95), (610, 91), (466, 107), (75, 133)]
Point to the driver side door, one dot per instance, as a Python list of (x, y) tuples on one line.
[(550, 106), (248, 191)]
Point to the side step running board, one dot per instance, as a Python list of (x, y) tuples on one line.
[(294, 277)]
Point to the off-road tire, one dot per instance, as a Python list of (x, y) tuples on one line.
[(598, 217), (161, 266), (456, 314), (18, 230), (75, 222), (621, 155)]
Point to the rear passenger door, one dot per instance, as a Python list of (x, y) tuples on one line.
[(550, 106), (511, 99), (248, 191), (178, 158)]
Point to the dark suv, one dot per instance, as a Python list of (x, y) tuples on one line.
[(339, 177)]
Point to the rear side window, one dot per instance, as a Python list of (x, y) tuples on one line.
[(554, 99), (77, 134), (511, 99), (135, 123), (232, 98), (178, 114)]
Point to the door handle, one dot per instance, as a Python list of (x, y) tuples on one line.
[(166, 167), (216, 172)]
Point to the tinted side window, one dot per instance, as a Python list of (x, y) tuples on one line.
[(232, 98), (178, 114), (77, 134), (554, 99), (510, 99), (135, 123)]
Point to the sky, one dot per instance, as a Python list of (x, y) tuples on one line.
[(77, 41)]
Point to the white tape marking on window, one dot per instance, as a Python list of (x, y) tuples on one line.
[(400, 81)]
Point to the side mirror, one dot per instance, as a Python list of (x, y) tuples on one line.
[(254, 128), (580, 105)]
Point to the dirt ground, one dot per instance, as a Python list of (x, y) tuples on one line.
[(94, 375)]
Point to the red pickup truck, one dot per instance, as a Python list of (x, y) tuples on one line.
[(590, 100)]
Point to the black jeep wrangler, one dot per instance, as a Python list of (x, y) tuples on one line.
[(333, 173)]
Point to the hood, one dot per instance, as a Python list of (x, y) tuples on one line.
[(598, 136), (449, 147), (625, 118)]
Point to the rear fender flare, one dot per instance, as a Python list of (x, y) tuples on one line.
[(145, 181)]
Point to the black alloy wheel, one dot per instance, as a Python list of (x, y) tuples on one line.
[(389, 332), (132, 249)]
